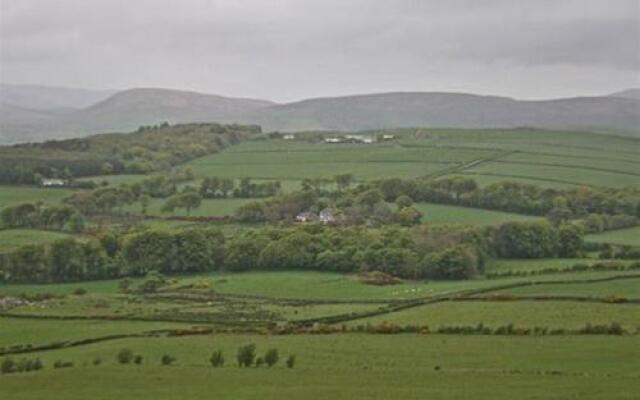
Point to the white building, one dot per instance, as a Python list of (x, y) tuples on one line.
[(52, 182)]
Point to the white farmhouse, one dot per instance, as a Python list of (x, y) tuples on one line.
[(52, 182)]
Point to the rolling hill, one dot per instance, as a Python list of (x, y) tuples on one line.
[(127, 110)]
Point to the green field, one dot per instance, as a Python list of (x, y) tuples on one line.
[(525, 314), (11, 195), (12, 239), (345, 367), (446, 214), (628, 288), (629, 237), (260, 306)]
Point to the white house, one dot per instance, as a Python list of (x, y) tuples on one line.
[(51, 182), (289, 137), (306, 216), (332, 140), (328, 216)]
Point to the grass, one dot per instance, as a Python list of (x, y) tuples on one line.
[(447, 214), (514, 265), (572, 175), (629, 237), (209, 207), (628, 288), (12, 195), (345, 367), (526, 314), (21, 331), (12, 239)]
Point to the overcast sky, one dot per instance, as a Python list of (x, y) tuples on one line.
[(291, 49)]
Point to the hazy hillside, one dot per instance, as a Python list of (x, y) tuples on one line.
[(450, 110), (628, 94), (124, 111), (129, 109), (50, 98)]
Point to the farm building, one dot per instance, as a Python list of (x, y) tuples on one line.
[(52, 182), (328, 216), (289, 137), (307, 216)]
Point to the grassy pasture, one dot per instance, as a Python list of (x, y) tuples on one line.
[(296, 160), (12, 239), (629, 237), (12, 195), (448, 214), (345, 367), (629, 288), (23, 331), (209, 207), (572, 175), (525, 314), (514, 265)]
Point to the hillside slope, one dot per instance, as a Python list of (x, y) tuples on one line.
[(127, 110), (454, 110)]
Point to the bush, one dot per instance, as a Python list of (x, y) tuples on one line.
[(167, 359), (125, 356), (217, 359), (291, 361), (246, 355), (62, 364), (259, 362), (8, 366), (271, 357), (137, 359), (80, 291)]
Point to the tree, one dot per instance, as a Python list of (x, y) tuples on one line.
[(404, 201), (246, 355), (291, 361), (458, 262), (343, 181), (167, 359), (217, 359), (188, 201), (271, 357), (125, 356), (570, 240)]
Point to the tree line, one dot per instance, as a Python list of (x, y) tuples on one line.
[(421, 252), (148, 149)]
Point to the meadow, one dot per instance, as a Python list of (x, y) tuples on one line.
[(629, 237), (12, 239), (289, 309), (345, 367)]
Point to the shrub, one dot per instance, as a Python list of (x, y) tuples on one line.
[(8, 366), (291, 361), (137, 359), (246, 355), (271, 357), (167, 359), (259, 362), (62, 364), (80, 291), (217, 359), (97, 361), (125, 356)]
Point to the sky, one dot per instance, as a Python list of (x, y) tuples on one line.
[(286, 50)]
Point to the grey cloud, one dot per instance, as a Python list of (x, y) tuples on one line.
[(285, 49)]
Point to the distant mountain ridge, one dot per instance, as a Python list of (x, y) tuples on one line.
[(128, 109)]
